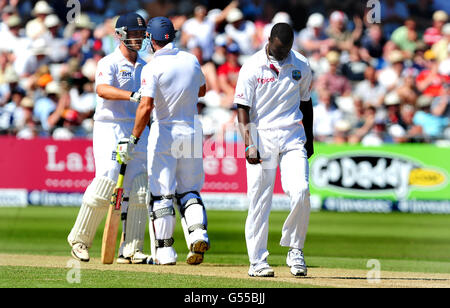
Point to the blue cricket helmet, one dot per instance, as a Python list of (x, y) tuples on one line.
[(127, 23), (161, 29), (131, 22)]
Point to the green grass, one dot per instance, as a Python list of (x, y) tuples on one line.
[(401, 242), (39, 277)]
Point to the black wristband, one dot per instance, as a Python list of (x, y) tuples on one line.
[(134, 139)]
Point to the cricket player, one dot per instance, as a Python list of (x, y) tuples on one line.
[(117, 85), (171, 85), (275, 118)]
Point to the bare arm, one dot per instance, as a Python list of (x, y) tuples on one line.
[(223, 15), (202, 91), (143, 113), (252, 153), (111, 93)]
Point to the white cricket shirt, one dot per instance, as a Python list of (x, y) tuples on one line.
[(115, 70), (173, 79), (274, 99)]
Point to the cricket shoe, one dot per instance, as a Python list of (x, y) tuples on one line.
[(196, 255), (123, 260), (139, 258), (296, 261), (80, 252), (262, 269)]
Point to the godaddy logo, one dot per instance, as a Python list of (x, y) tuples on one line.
[(374, 174)]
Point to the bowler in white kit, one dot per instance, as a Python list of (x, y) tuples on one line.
[(275, 117), (171, 84), (117, 85)]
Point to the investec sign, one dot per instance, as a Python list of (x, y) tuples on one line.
[(374, 174)]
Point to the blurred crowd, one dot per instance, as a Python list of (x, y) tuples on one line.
[(379, 76)]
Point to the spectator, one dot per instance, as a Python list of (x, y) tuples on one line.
[(390, 76), (55, 42), (326, 116), (440, 48), (354, 69), (27, 128), (364, 127), (406, 37), (433, 34), (313, 39), (392, 105), (29, 62), (228, 74), (374, 41), (82, 43), (12, 115), (407, 89), (11, 38), (413, 132), (201, 28), (46, 106), (241, 31), (440, 106), (333, 81), (430, 82), (370, 90), (36, 27), (432, 126), (337, 30)]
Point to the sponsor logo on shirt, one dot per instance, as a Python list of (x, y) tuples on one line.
[(265, 80), (126, 73)]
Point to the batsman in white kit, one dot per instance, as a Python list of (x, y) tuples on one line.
[(171, 84), (117, 85), (275, 117)]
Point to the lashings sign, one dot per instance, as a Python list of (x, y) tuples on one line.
[(409, 178)]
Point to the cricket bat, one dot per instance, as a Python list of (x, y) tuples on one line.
[(113, 220)]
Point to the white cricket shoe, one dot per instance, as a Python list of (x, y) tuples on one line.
[(139, 258), (262, 269), (80, 252), (122, 260), (296, 261), (198, 249)]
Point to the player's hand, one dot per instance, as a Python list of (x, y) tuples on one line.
[(125, 149), (136, 97), (252, 156)]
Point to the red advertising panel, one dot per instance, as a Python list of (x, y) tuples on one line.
[(68, 166)]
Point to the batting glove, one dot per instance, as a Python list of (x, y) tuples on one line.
[(135, 97), (125, 149)]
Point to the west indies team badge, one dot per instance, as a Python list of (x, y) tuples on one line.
[(297, 75)]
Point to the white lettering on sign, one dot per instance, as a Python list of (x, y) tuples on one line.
[(73, 162)]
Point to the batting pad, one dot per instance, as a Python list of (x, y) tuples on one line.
[(136, 217), (95, 204)]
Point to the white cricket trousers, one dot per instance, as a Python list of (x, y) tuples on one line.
[(283, 147), (175, 166)]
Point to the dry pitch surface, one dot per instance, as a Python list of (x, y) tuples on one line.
[(319, 277)]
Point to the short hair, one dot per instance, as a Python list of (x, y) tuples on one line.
[(283, 32)]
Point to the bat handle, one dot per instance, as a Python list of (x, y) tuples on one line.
[(123, 168)]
